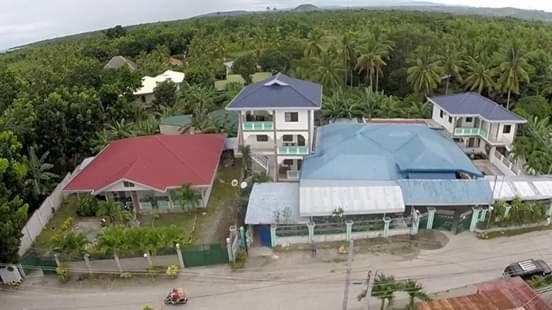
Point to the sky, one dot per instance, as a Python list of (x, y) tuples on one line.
[(25, 21)]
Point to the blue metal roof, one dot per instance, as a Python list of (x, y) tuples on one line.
[(446, 192), (347, 151), (471, 103), (272, 203), (278, 92)]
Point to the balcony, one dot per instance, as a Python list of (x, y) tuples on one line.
[(293, 175), (467, 132), (293, 150), (258, 126)]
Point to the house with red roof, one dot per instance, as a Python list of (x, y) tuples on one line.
[(146, 172)]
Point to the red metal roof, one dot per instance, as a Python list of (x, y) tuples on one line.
[(159, 162)]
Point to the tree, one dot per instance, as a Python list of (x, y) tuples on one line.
[(165, 94), (114, 240), (155, 61), (513, 70), (424, 73), (313, 48), (115, 32), (273, 60), (338, 106), (385, 288), (414, 291), (373, 52), (188, 197), (70, 244), (328, 71), (451, 59), (12, 221), (40, 177), (111, 209), (533, 106), (8, 88), (348, 50), (245, 66), (246, 162), (479, 74)]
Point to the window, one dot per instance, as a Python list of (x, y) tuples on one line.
[(288, 138), (507, 129), (128, 184), (288, 162), (143, 98), (292, 116), (469, 119), (442, 113), (262, 138), (450, 119)]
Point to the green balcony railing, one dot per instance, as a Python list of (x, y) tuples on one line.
[(292, 150), (293, 175), (258, 126), (464, 132)]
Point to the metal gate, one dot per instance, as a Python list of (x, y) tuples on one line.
[(443, 221), (264, 234), (465, 221), (205, 255), (32, 262)]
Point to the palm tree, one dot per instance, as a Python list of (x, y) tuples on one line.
[(40, 178), (349, 56), (453, 63), (70, 244), (313, 48), (339, 106), (110, 209), (328, 71), (246, 162), (384, 289), (114, 240), (188, 197), (479, 74), (513, 70), (424, 73), (414, 291)]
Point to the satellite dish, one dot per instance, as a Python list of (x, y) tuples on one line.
[(243, 185)]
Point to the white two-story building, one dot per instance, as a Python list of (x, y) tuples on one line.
[(277, 123), (478, 124)]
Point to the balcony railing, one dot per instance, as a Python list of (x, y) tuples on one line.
[(260, 126), (293, 175), (464, 132), (292, 150)]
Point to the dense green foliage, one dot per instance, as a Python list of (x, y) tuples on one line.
[(58, 101)]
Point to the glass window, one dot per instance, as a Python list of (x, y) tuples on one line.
[(288, 162), (469, 119), (288, 138), (128, 184), (450, 119), (442, 113), (292, 116), (262, 138), (507, 129)]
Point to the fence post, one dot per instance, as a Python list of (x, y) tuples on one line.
[(483, 215), (56, 258), (179, 254), (349, 234), (475, 218), (87, 262), (507, 211), (273, 237), (415, 222), (310, 226), (229, 250), (243, 245), (148, 259), (387, 221), (430, 217)]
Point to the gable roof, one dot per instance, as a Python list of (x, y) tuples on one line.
[(471, 103), (278, 92), (117, 62), (348, 151), (149, 83), (159, 162)]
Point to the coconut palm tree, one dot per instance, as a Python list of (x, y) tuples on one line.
[(114, 240), (339, 106), (384, 289), (414, 291), (513, 70), (70, 244), (313, 48), (188, 197), (246, 162), (371, 59), (328, 71), (479, 74), (453, 64), (349, 56), (425, 72), (40, 178)]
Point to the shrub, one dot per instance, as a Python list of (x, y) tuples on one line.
[(172, 271), (148, 307), (63, 274), (88, 206), (125, 275), (240, 261)]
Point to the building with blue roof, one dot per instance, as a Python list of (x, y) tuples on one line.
[(277, 123), (479, 125)]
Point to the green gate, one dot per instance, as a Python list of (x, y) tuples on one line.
[(205, 255), (32, 262), (423, 221), (465, 221), (443, 221)]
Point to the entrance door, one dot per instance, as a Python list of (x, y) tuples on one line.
[(264, 233)]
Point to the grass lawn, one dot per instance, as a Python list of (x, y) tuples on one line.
[(41, 244), (259, 76), (512, 232)]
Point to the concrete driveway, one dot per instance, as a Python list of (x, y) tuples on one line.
[(294, 282)]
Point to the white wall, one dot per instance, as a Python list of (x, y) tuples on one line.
[(340, 237), (251, 140), (280, 134), (444, 121), (302, 123), (120, 187), (506, 137)]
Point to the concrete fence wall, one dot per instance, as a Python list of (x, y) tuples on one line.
[(42, 215), (341, 237)]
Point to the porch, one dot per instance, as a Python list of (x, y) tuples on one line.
[(153, 201), (257, 121), (289, 168), (493, 132)]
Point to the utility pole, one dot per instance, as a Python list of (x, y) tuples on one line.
[(370, 284), (348, 277)]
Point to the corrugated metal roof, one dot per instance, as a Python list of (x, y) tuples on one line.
[(471, 103), (524, 187), (348, 151), (323, 197), (150, 83), (446, 192), (178, 120), (277, 92), (271, 203)]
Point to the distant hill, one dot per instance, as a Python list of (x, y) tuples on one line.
[(306, 7)]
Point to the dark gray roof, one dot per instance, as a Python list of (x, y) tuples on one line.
[(474, 104), (279, 91)]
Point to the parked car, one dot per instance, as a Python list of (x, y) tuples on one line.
[(528, 268)]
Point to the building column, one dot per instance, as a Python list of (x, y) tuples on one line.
[(430, 217), (483, 214), (179, 254), (349, 233), (135, 202), (387, 221), (310, 227), (475, 218), (273, 235)]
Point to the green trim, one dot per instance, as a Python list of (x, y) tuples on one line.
[(258, 126), (464, 132), (292, 150)]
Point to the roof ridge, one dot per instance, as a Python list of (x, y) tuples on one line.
[(158, 139), (294, 89)]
